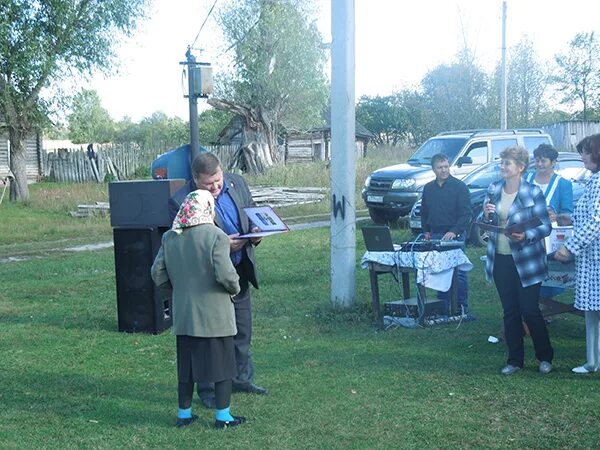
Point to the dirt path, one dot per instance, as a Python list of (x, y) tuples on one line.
[(28, 255), (66, 248)]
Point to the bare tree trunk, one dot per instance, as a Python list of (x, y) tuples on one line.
[(19, 190), (258, 149), (270, 127)]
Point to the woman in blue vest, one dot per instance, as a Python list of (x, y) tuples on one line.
[(557, 190)]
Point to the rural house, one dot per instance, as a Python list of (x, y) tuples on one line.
[(309, 146), (35, 158), (314, 145)]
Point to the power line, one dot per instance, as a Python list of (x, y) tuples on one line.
[(203, 23)]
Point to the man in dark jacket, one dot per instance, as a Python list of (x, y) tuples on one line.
[(445, 214), (231, 195)]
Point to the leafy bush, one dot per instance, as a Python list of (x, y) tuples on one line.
[(108, 177), (142, 173)]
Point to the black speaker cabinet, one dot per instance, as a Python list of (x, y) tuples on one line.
[(141, 203), (141, 306)]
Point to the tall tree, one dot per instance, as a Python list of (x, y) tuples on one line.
[(89, 121), (43, 41), (578, 74), (158, 131), (456, 94), (527, 82), (278, 78), (394, 119), (210, 123), (383, 117), (162, 132), (126, 130), (418, 119)]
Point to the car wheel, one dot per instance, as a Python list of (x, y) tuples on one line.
[(381, 217), (478, 236)]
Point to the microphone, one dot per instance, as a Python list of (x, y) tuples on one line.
[(492, 217)]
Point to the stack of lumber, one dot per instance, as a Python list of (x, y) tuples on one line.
[(286, 196), (97, 209), (274, 197)]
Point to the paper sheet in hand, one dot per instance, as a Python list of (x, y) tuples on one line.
[(515, 228), (266, 219), (558, 237)]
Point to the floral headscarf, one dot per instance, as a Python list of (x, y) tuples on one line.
[(197, 208)]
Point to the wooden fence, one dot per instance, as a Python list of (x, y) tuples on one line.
[(567, 134), (115, 162)]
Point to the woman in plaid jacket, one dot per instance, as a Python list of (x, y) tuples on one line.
[(585, 246), (517, 262)]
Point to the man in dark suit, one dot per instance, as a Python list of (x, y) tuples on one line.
[(231, 195)]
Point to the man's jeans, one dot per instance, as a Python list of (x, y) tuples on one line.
[(462, 295)]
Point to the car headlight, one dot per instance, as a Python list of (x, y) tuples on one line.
[(368, 181), (404, 183)]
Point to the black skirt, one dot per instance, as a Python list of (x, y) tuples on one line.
[(205, 359)]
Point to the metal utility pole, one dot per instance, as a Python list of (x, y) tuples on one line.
[(503, 89), (200, 84), (343, 154), (193, 101)]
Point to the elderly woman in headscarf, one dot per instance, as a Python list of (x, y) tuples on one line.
[(194, 259)]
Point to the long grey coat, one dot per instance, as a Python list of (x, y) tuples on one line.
[(585, 245), (197, 265)]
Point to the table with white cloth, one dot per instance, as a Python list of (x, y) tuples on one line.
[(433, 269)]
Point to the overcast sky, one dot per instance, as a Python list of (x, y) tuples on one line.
[(397, 42)]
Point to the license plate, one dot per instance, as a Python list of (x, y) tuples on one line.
[(375, 198), (415, 223)]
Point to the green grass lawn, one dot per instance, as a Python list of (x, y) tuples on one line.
[(70, 380), (45, 223)]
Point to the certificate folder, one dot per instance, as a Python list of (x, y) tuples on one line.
[(515, 228), (266, 219)]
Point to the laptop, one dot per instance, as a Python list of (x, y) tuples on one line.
[(378, 238)]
